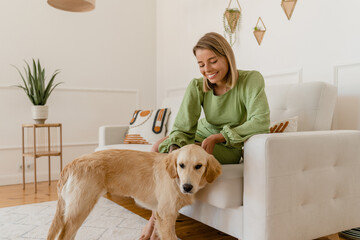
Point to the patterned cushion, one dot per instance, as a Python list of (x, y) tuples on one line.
[(147, 126), (287, 125)]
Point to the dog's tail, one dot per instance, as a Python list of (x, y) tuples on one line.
[(58, 221)]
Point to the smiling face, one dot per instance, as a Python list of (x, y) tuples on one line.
[(192, 167), (213, 67)]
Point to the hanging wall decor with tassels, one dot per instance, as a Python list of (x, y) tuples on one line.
[(231, 20), (259, 31)]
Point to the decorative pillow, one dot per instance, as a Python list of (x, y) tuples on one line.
[(147, 126), (287, 125)]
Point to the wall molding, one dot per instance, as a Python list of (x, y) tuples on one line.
[(106, 90), (29, 178), (337, 68), (298, 72), (79, 144), (174, 89)]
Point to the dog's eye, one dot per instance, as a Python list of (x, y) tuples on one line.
[(182, 165), (198, 166)]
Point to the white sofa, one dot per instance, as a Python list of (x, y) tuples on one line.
[(291, 186)]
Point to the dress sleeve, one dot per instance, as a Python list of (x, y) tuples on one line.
[(185, 125), (258, 113)]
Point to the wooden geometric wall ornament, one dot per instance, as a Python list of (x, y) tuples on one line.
[(231, 20), (259, 31), (288, 7), (232, 17)]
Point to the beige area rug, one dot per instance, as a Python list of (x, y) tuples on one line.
[(107, 221)]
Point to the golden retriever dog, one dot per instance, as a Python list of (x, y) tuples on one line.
[(163, 183)]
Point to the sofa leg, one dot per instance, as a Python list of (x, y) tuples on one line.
[(330, 237)]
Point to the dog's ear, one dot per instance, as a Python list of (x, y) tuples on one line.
[(170, 162), (213, 169)]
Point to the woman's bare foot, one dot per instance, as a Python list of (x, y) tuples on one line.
[(154, 235), (149, 229)]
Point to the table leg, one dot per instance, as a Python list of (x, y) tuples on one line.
[(35, 183), (61, 148), (23, 158), (61, 162), (49, 170), (49, 150), (23, 170)]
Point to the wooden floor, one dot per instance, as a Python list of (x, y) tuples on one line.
[(14, 195), (186, 228)]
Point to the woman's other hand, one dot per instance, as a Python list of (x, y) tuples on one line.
[(173, 147), (209, 143), (155, 147)]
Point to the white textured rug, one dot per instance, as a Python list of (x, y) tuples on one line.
[(107, 221)]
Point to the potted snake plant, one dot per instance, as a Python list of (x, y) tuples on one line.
[(35, 87)]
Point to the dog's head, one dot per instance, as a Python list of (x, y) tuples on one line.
[(193, 167)]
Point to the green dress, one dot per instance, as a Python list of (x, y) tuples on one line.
[(238, 114)]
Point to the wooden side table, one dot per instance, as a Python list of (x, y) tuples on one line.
[(48, 149)]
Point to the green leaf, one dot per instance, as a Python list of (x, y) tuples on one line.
[(30, 83), (22, 77), (52, 90), (50, 87), (34, 70)]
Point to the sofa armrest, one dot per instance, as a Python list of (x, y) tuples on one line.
[(301, 185), (112, 134)]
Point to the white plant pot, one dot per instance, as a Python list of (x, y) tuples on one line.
[(39, 113)]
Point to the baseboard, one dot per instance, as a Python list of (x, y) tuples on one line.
[(29, 178)]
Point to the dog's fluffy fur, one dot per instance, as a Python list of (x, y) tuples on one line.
[(163, 183)]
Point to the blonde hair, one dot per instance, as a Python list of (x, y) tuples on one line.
[(220, 46)]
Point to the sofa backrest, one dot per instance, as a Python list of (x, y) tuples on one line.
[(173, 103), (312, 102)]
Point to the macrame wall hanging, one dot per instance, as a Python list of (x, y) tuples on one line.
[(259, 31), (288, 7), (231, 20)]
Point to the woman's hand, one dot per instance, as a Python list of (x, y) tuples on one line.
[(209, 143), (173, 147), (155, 147)]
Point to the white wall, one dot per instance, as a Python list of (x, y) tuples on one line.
[(107, 59), (122, 53), (321, 42)]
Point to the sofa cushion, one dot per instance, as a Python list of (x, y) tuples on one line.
[(312, 102), (138, 147), (286, 125), (227, 190), (147, 126), (173, 103)]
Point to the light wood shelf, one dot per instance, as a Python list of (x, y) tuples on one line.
[(45, 151)]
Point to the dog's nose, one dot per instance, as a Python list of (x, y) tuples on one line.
[(187, 187)]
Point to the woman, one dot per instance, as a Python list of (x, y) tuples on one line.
[(234, 103)]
